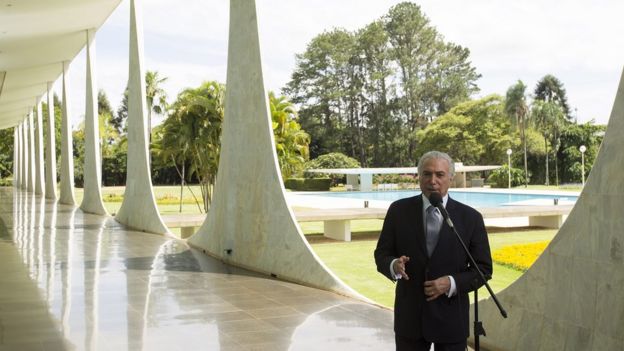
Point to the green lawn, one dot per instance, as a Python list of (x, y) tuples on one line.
[(353, 262)]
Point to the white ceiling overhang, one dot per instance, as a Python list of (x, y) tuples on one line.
[(36, 37)]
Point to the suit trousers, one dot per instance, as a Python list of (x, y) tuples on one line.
[(408, 344)]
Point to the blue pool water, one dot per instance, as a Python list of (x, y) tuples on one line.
[(474, 199)]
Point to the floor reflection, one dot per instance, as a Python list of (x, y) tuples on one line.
[(70, 280)]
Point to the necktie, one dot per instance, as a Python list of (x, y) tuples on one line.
[(433, 223)]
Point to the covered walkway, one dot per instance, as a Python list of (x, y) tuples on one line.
[(72, 280)]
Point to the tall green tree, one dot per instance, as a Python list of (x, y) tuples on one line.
[(322, 84), (366, 93), (155, 96), (6, 153), (434, 75), (550, 89), (156, 99), (291, 142), (518, 111), (479, 130), (192, 133), (548, 116), (572, 137)]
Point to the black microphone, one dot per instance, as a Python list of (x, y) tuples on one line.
[(435, 199)]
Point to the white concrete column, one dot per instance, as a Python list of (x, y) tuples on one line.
[(25, 155), (67, 151), (22, 163), (584, 261), (39, 168), (50, 168), (16, 156), (249, 223), (92, 200), (366, 182), (138, 209), (31, 152)]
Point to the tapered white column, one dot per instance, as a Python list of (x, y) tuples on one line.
[(31, 153), (67, 150), (138, 209), (50, 169), (249, 223), (92, 200), (571, 297), (25, 154), (21, 155), (16, 163), (39, 168)]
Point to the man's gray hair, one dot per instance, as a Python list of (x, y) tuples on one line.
[(436, 155)]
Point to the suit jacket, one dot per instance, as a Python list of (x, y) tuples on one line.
[(443, 319)]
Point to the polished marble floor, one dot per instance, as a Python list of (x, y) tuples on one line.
[(75, 281)]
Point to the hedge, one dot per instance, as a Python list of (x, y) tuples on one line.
[(308, 184)]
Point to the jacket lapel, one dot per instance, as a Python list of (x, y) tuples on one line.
[(419, 226)]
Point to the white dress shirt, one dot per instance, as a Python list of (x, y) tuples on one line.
[(453, 290)]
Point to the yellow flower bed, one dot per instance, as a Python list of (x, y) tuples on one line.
[(520, 256)]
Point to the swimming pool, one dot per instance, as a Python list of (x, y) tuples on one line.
[(474, 199)]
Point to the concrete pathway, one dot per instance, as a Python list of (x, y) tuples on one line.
[(76, 281)]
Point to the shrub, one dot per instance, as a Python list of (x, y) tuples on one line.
[(331, 160), (308, 184), (499, 178), (394, 178), (520, 256)]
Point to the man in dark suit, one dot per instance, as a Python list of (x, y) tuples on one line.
[(419, 251)]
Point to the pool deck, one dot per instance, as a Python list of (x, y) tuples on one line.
[(504, 216)]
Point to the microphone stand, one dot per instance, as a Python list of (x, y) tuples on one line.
[(478, 325)]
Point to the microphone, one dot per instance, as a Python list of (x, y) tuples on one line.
[(436, 200)]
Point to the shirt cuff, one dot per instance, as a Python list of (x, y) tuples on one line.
[(453, 290), (392, 273)]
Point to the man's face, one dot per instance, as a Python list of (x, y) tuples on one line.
[(435, 177)]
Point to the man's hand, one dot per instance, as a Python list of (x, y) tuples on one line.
[(399, 266), (435, 288)]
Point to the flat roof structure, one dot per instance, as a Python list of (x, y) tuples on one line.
[(36, 39)]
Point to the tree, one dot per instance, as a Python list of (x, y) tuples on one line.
[(328, 161), (479, 130), (192, 133), (366, 93), (548, 118), (291, 142), (517, 110), (156, 99), (434, 75), (113, 171), (155, 96), (550, 89), (6, 153), (104, 106), (321, 85), (572, 137)]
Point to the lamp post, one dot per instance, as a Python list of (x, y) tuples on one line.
[(509, 168), (582, 149)]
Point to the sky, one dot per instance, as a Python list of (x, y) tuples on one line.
[(579, 42)]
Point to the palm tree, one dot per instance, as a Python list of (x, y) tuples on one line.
[(547, 117), (550, 89), (192, 134), (517, 110), (155, 96), (291, 142)]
